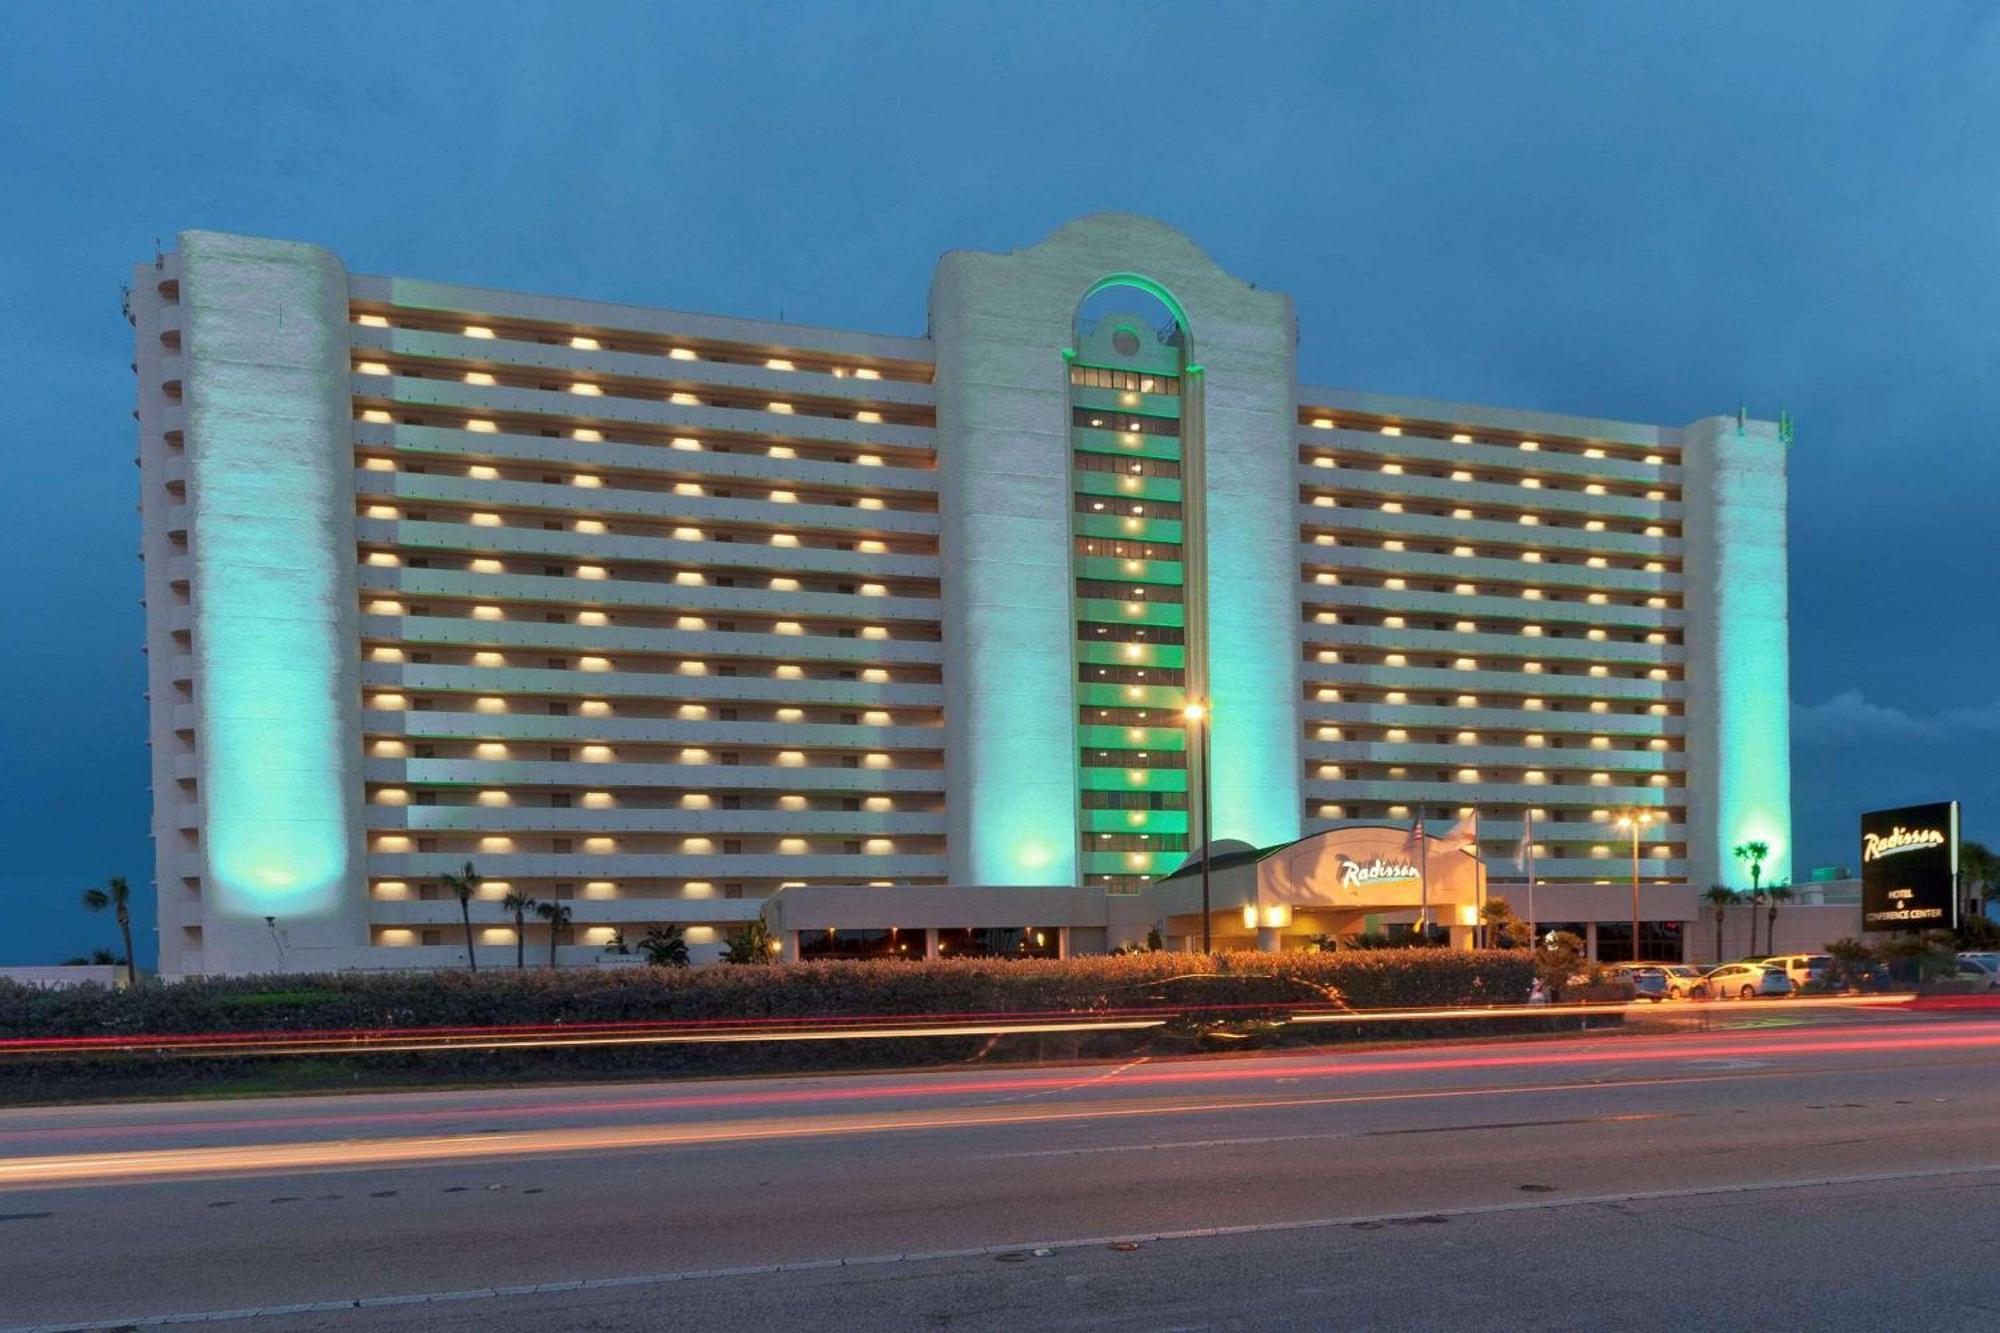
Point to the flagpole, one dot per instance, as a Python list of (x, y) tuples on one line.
[(1529, 815), (1479, 880), (1423, 878)]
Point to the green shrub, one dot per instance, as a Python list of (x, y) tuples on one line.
[(1364, 979), (1207, 996)]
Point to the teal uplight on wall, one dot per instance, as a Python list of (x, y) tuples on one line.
[(1752, 664), (1753, 743), (271, 499)]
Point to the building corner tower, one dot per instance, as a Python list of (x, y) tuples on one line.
[(1738, 704), (251, 584)]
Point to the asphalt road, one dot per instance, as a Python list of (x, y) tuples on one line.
[(1832, 1174)]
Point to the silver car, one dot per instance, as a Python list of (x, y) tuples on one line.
[(1978, 967), (1748, 981)]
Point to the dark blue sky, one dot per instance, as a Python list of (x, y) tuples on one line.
[(1653, 212)]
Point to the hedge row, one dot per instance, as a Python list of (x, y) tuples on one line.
[(1361, 979)]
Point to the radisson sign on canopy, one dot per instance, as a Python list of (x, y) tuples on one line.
[(1379, 870), (1909, 868)]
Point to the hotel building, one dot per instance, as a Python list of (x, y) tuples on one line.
[(655, 614)]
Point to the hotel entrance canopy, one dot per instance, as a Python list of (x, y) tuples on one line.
[(1333, 883), (1326, 883)]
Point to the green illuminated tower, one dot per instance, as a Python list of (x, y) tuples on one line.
[(1109, 376)]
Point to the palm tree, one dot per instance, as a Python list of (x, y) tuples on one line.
[(1722, 898), (520, 904), (1777, 893), (1978, 869), (665, 946), (462, 886), (116, 893), (752, 944), (1754, 853), (557, 915)]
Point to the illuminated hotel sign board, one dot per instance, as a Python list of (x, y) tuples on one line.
[(1909, 868), (1366, 868)]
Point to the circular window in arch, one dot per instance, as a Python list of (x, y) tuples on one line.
[(1128, 324)]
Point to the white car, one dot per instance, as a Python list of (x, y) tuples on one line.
[(1664, 981), (1803, 967), (1685, 983), (1748, 981)]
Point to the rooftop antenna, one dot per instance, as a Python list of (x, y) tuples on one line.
[(1742, 419), (159, 255)]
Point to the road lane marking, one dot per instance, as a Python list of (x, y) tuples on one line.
[(1262, 1140), (1541, 1203), (1616, 1119)]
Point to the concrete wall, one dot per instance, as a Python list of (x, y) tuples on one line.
[(64, 977), (1738, 646), (1802, 928), (157, 316), (271, 535)]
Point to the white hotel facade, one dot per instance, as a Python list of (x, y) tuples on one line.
[(655, 614)]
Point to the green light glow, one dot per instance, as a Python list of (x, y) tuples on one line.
[(1752, 666), (269, 449)]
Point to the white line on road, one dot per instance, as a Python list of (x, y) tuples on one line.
[(1539, 1204)]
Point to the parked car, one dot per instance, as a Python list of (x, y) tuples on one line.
[(1649, 981), (1802, 968), (1748, 981), (1665, 981), (1979, 967), (1686, 983)]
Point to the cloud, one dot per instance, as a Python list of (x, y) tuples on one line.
[(1850, 754), (1849, 716)]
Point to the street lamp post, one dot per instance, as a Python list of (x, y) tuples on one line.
[(1635, 820), (1197, 717)]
